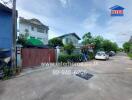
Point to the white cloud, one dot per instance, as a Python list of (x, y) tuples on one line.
[(65, 3), (90, 22), (53, 33)]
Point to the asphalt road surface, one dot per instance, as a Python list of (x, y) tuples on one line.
[(112, 80)]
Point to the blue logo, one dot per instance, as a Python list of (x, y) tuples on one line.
[(117, 11)]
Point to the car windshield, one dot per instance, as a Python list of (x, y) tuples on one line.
[(100, 53)]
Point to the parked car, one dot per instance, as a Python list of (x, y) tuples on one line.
[(101, 56), (111, 53)]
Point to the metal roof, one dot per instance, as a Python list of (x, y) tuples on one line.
[(33, 21), (70, 34), (5, 8)]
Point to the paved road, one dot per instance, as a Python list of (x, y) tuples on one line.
[(112, 80)]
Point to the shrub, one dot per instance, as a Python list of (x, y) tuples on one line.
[(91, 55), (69, 48), (130, 55), (70, 58), (55, 42)]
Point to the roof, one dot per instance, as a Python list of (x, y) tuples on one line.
[(34, 42), (74, 34), (33, 22), (117, 8), (5, 8)]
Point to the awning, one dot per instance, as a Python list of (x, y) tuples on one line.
[(34, 42)]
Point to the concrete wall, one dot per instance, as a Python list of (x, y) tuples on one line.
[(5, 29)]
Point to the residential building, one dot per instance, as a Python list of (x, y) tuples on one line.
[(6, 36), (33, 28), (70, 38)]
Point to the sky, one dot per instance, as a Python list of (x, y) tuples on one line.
[(80, 16)]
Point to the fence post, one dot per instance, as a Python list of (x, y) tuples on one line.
[(19, 56), (57, 53)]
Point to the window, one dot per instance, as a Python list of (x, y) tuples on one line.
[(32, 37), (41, 30), (67, 40), (39, 38), (26, 30), (32, 28)]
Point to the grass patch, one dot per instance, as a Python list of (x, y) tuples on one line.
[(130, 55)]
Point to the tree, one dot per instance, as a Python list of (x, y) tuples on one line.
[(55, 42), (69, 48), (22, 39), (130, 48), (120, 49), (107, 45), (98, 42), (87, 38), (127, 46), (110, 46), (114, 46)]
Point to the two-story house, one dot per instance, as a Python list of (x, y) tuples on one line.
[(70, 38), (33, 28)]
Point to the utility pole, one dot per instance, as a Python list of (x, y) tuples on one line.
[(14, 33)]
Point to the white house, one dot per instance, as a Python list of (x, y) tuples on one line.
[(70, 38), (33, 28)]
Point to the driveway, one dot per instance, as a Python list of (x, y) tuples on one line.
[(112, 80)]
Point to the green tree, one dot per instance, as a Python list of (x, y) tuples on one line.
[(110, 46), (114, 46), (55, 42), (107, 45), (130, 48), (98, 42), (22, 39), (69, 48), (87, 38), (127, 46)]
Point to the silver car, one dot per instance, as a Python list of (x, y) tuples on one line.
[(101, 55)]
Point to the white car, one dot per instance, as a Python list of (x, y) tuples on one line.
[(101, 55)]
